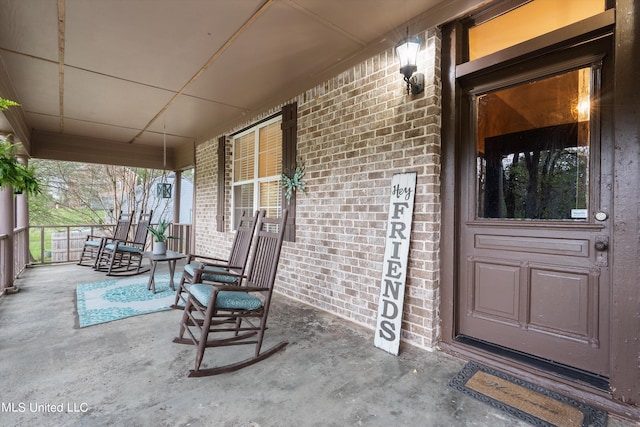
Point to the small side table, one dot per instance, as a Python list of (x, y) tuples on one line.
[(171, 257)]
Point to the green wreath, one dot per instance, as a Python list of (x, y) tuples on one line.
[(295, 182)]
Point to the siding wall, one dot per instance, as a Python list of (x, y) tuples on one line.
[(354, 132)]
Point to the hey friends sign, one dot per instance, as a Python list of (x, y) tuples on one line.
[(394, 267)]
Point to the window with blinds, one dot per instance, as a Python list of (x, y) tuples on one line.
[(257, 165)]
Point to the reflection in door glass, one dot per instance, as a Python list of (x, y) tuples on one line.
[(533, 149)]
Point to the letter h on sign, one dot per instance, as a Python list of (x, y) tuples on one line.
[(394, 267)]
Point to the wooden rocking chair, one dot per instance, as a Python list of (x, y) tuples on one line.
[(93, 245), (124, 257), (211, 266), (235, 313)]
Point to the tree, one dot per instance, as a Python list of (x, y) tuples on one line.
[(80, 193), (545, 184)]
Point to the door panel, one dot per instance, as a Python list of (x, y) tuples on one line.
[(541, 245), (531, 276), (568, 313), (496, 291), (550, 311)]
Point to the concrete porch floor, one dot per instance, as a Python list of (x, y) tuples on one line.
[(129, 373)]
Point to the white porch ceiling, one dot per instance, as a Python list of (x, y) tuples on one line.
[(103, 72)]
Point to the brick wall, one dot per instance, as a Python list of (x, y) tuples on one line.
[(354, 132), (207, 240)]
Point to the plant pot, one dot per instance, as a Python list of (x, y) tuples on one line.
[(159, 248)]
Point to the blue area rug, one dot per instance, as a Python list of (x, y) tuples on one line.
[(110, 300)]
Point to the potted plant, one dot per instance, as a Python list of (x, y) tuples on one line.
[(13, 173), (160, 237)]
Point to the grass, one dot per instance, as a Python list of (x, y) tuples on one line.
[(44, 242)]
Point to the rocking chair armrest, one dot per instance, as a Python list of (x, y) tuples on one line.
[(197, 274), (92, 236), (196, 257), (234, 288), (128, 243), (204, 264)]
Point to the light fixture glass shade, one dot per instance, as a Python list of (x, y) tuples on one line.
[(407, 51), (163, 190)]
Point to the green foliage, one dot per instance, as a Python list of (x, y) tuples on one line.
[(41, 214), (545, 184), (6, 103), (160, 231), (93, 193), (14, 174), (294, 182)]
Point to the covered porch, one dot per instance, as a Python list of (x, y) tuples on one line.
[(175, 86), (128, 372)]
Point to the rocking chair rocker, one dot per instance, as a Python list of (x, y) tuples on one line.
[(93, 245), (237, 313), (124, 257), (212, 267)]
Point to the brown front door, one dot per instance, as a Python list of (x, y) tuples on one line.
[(533, 263)]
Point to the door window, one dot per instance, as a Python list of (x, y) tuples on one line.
[(530, 20), (533, 149)]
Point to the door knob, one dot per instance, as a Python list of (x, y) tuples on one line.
[(601, 216), (601, 246)]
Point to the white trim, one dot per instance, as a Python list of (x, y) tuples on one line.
[(256, 180)]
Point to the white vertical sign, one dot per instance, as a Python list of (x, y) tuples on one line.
[(394, 268)]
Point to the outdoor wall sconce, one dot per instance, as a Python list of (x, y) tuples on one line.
[(407, 51)]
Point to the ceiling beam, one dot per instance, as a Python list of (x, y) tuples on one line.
[(61, 47), (54, 146)]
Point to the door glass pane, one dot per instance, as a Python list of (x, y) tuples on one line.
[(533, 149), (531, 20)]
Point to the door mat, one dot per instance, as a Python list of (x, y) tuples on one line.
[(525, 401)]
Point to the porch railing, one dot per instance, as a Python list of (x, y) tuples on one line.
[(20, 249), (4, 280), (182, 243), (51, 244)]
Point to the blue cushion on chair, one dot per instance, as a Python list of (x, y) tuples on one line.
[(93, 243), (123, 248), (209, 273), (132, 249), (225, 299)]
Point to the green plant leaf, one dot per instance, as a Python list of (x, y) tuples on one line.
[(160, 230), (14, 174)]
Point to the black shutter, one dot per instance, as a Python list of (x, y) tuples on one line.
[(222, 142), (289, 155)]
